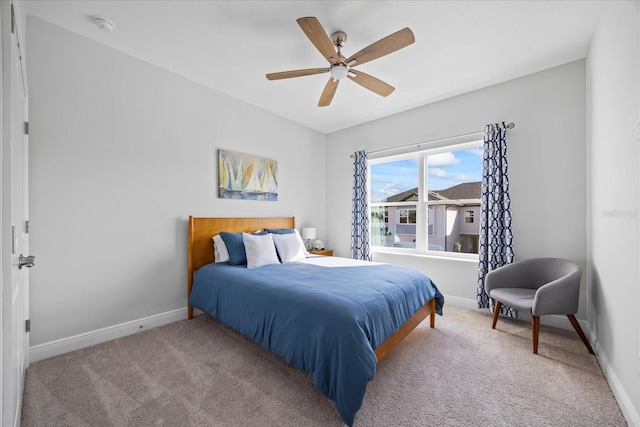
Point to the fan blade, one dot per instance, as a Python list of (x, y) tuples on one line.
[(319, 38), (369, 82), (296, 73), (382, 47), (328, 92)]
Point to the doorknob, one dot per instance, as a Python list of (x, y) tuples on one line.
[(26, 261)]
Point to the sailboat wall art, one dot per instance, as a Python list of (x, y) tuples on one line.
[(248, 177)]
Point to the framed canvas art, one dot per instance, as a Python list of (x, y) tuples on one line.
[(245, 176)]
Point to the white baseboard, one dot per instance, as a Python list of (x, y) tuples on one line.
[(76, 342), (460, 302), (626, 405)]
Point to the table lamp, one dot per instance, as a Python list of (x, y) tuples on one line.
[(309, 234)]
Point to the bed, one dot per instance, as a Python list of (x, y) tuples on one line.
[(334, 318)]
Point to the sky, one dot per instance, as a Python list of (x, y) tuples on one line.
[(444, 170)]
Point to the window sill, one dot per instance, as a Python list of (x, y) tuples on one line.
[(473, 258)]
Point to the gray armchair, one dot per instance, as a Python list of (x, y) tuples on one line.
[(540, 286)]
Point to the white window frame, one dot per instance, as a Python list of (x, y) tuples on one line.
[(421, 204)]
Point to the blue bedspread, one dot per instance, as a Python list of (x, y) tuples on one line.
[(325, 320)]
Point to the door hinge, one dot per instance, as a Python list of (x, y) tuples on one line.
[(27, 325), (13, 240), (26, 227), (26, 128), (13, 20)]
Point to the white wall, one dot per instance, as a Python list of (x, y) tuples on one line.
[(122, 153), (613, 72), (547, 160)]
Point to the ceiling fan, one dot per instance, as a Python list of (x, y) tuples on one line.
[(341, 67)]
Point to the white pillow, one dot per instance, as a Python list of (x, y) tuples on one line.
[(220, 252), (288, 246), (260, 250), (302, 245)]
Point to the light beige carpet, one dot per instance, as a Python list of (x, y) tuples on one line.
[(200, 373)]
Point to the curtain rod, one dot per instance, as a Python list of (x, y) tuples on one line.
[(509, 126)]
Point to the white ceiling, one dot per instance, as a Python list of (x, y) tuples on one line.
[(229, 46)]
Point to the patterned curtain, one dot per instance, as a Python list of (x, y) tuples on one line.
[(496, 239), (360, 209)]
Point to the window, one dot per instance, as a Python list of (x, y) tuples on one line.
[(407, 216), (427, 201), (468, 217), (393, 197)]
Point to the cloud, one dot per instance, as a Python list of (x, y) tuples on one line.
[(465, 177), (442, 159), (389, 179), (439, 172), (384, 191)]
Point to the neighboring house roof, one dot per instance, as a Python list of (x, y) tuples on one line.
[(405, 196), (466, 190)]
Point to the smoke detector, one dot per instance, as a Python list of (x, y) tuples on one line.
[(103, 24)]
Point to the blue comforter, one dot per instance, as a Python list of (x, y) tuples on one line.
[(325, 320)]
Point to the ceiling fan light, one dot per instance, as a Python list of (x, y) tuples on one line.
[(339, 71)]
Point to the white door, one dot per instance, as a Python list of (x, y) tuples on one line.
[(15, 277)]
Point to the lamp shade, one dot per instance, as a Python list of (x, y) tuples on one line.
[(308, 233)]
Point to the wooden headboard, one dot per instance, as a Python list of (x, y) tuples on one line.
[(201, 231)]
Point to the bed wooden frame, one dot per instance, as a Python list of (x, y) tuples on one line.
[(201, 231)]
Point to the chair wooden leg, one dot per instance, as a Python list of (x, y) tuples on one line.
[(578, 329), (535, 329), (496, 313)]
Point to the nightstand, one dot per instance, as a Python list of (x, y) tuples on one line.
[(325, 252)]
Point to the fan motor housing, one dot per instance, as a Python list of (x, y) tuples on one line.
[(339, 38)]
